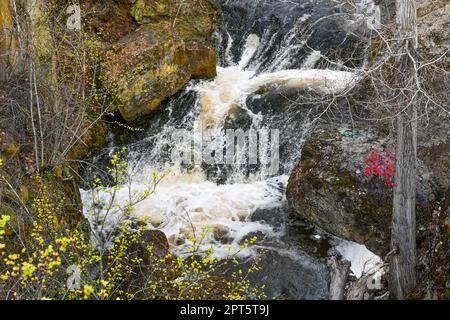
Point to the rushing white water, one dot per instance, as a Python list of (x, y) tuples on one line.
[(233, 84), (185, 204)]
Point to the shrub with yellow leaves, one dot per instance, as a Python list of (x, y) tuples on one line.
[(38, 268)]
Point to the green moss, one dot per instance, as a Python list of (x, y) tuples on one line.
[(92, 142), (11, 150), (344, 180), (156, 60)]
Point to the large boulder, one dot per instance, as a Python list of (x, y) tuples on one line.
[(168, 50), (330, 188), (141, 256)]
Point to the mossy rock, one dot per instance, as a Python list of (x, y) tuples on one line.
[(190, 18), (154, 62), (330, 189), (63, 193), (93, 140)]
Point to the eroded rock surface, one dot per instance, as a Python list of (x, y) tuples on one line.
[(156, 60)]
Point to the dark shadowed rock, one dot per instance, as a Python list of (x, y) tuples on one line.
[(149, 242), (292, 275)]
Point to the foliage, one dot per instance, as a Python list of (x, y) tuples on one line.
[(381, 164), (60, 263)]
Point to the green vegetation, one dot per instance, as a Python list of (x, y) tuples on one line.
[(115, 266)]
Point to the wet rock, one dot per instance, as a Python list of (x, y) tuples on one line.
[(296, 233), (307, 239), (169, 49), (257, 237), (330, 189), (149, 242), (222, 233), (292, 275)]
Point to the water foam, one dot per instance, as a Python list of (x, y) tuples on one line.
[(234, 84), (187, 203)]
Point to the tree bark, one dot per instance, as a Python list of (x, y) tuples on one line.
[(403, 235), (339, 274), (407, 21)]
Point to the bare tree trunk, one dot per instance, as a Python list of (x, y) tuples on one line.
[(403, 236), (339, 274), (407, 21)]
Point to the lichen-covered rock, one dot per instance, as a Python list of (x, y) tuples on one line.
[(190, 18), (155, 61), (330, 188)]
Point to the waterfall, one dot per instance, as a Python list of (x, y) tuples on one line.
[(263, 46)]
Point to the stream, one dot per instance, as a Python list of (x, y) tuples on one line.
[(269, 53)]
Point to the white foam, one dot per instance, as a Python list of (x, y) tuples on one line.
[(185, 205), (312, 59), (251, 45), (233, 84), (187, 202), (362, 259)]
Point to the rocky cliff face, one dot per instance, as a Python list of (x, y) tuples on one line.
[(167, 50)]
